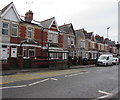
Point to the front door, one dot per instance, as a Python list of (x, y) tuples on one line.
[(14, 52), (4, 53)]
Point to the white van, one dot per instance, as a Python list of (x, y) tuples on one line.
[(105, 59)]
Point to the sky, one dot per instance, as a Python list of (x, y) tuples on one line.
[(92, 15)]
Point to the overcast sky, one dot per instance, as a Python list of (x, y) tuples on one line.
[(92, 15)]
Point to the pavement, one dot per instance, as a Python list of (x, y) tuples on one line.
[(10, 76), (21, 71)]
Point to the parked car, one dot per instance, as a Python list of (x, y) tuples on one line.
[(106, 59), (85, 61), (115, 61)]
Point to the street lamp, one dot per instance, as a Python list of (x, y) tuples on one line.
[(107, 31)]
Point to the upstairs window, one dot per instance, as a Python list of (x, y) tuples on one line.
[(50, 37), (30, 31), (72, 41), (5, 28), (14, 30), (55, 38)]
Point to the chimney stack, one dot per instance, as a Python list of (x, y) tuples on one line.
[(29, 16)]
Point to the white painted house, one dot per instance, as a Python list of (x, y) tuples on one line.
[(9, 23)]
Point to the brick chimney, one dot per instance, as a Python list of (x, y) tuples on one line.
[(29, 16)]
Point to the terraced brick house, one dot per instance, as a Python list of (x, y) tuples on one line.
[(29, 43), (55, 42), (80, 43), (9, 23), (69, 41), (91, 46)]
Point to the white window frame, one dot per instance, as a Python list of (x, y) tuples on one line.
[(53, 33), (16, 28), (3, 28), (30, 32), (55, 38), (68, 40), (54, 55), (31, 49), (50, 37), (25, 50)]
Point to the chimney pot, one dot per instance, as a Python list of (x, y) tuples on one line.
[(29, 16)]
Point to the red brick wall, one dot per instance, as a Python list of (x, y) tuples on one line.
[(60, 40), (22, 31), (38, 52), (89, 46), (45, 38), (96, 46), (14, 40), (38, 35)]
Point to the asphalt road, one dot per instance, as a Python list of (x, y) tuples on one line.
[(95, 83)]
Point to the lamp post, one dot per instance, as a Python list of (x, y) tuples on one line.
[(107, 31)]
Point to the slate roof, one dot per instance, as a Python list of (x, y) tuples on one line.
[(79, 32), (88, 35), (67, 28), (99, 39), (47, 23)]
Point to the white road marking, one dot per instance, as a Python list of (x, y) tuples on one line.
[(73, 75), (13, 87), (106, 94), (38, 82), (54, 79)]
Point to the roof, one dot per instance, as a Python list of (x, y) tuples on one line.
[(29, 41), (99, 39), (79, 32), (5, 8), (34, 22), (88, 35), (67, 28), (47, 23)]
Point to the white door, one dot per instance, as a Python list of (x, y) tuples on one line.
[(13, 52), (4, 53)]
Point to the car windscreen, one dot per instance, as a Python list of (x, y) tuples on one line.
[(102, 57)]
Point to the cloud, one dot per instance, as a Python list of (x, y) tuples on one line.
[(93, 15)]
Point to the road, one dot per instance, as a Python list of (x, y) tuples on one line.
[(95, 83)]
